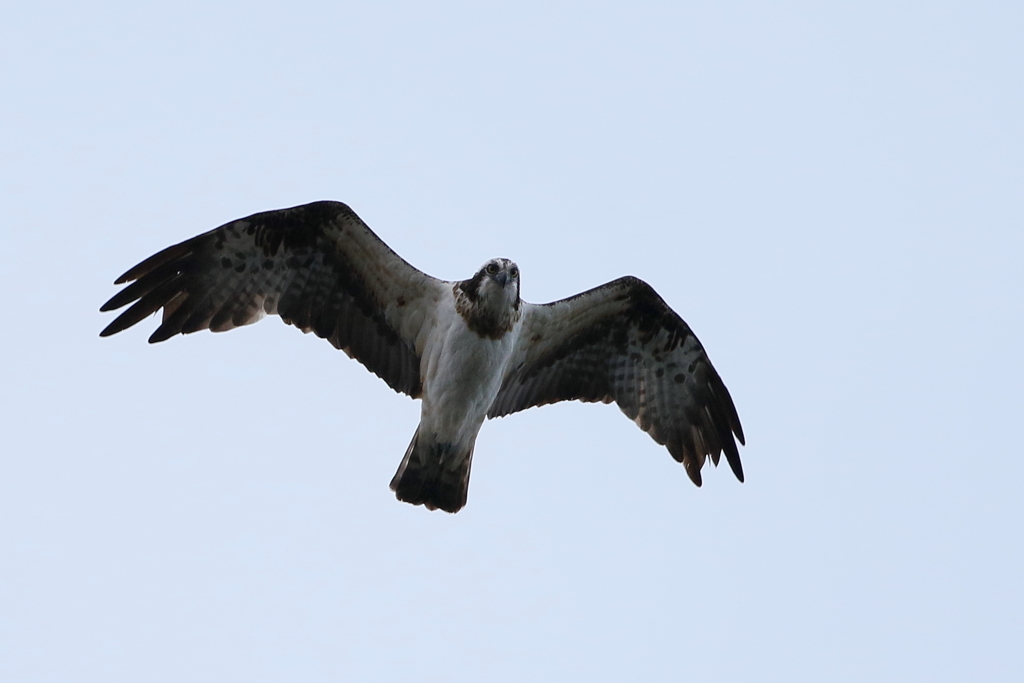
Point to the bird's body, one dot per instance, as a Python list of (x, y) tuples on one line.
[(462, 373), (469, 350)]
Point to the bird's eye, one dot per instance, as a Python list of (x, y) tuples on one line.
[(514, 272), (492, 268)]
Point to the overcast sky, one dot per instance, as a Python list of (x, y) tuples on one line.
[(829, 193)]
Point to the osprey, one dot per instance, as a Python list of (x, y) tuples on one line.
[(469, 350)]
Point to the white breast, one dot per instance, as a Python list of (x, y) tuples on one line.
[(462, 375)]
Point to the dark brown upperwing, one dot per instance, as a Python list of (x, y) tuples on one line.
[(621, 342), (318, 266)]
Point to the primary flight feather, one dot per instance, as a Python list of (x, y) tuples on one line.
[(469, 350)]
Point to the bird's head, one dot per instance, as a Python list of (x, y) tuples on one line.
[(489, 301), (494, 290), (497, 283)]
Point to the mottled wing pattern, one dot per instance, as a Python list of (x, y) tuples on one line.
[(621, 342), (318, 266)]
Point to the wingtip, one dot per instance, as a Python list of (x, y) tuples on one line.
[(162, 333), (113, 328), (693, 472), (732, 456)]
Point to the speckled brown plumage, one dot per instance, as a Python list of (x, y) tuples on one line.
[(621, 342), (301, 264)]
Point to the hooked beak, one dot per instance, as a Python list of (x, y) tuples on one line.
[(501, 278)]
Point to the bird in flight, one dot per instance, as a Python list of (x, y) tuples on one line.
[(469, 350)]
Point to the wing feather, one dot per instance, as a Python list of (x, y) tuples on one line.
[(317, 266), (621, 342)]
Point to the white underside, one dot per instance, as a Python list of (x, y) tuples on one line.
[(462, 375)]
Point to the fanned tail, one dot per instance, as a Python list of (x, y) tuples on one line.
[(433, 474)]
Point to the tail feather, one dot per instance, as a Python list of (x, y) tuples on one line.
[(433, 474)]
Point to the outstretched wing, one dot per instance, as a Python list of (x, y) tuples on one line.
[(621, 342), (318, 266)]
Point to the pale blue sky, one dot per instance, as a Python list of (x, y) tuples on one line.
[(829, 193)]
